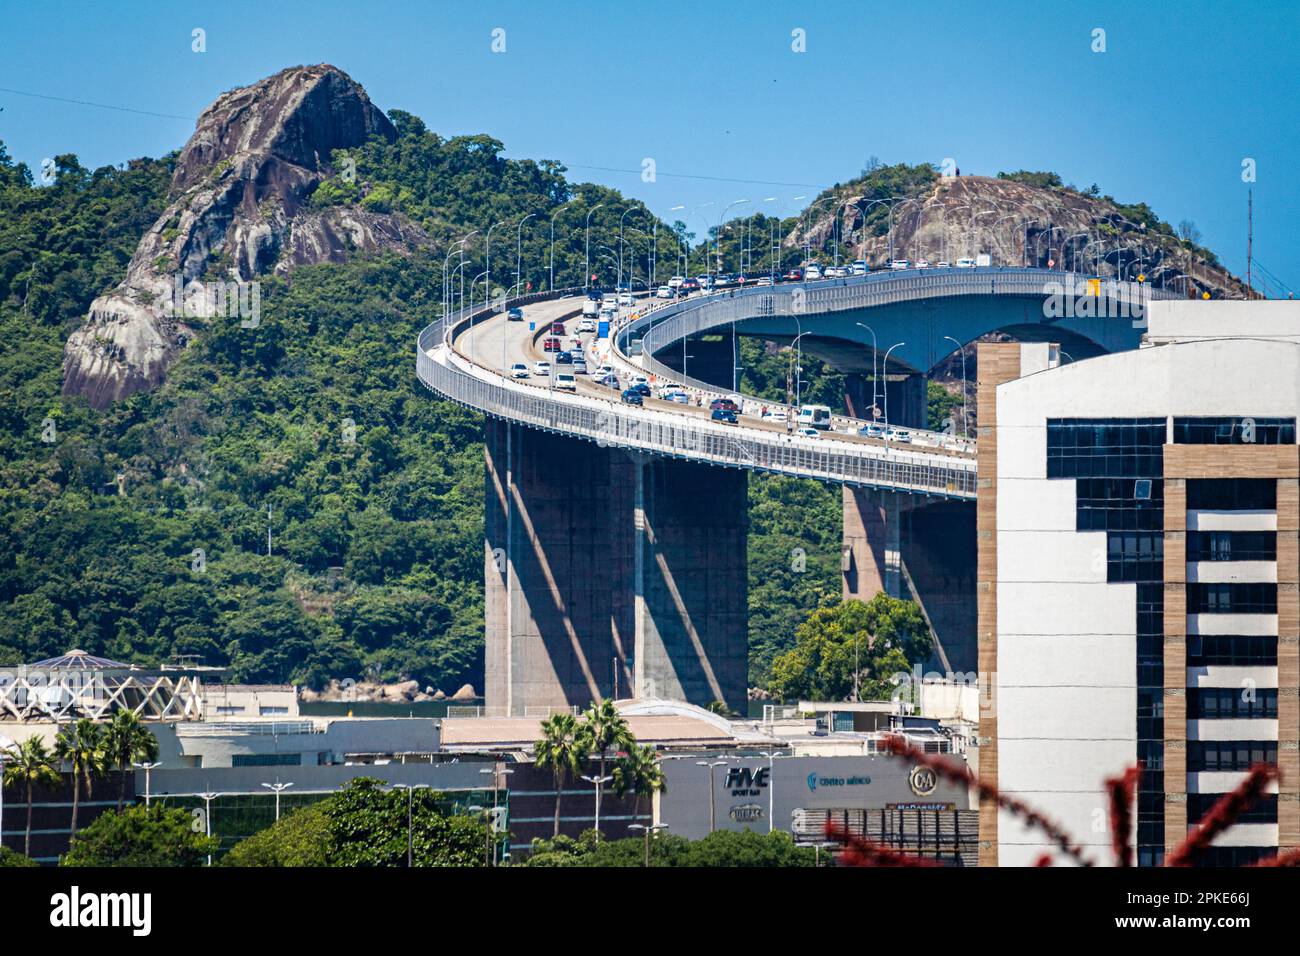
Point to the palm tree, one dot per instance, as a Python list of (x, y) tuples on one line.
[(127, 741), (81, 746), (30, 765), (640, 774), (608, 731), (564, 746)]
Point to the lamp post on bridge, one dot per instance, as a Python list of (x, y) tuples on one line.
[(885, 370), (586, 264), (559, 209), (964, 418), (874, 356), (519, 252)]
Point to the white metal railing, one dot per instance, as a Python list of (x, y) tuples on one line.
[(610, 423)]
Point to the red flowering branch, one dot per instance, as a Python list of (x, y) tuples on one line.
[(1122, 790), (1223, 815), (960, 774), (859, 851), (1289, 858)]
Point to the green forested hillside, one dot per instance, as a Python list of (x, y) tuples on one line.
[(140, 533)]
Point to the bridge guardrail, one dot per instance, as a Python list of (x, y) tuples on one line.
[(610, 423)]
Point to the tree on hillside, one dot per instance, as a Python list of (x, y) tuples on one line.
[(563, 748), (140, 836), (851, 644), (30, 765)]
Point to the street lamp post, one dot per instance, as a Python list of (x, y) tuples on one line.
[(964, 419), (279, 788), (798, 366), (207, 796), (551, 282), (884, 367), (496, 778), (598, 781), (710, 764), (874, 380), (410, 807), (641, 826), (519, 253), (586, 275), (148, 769), (771, 755)]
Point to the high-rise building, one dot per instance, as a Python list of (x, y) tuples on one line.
[(1137, 533)]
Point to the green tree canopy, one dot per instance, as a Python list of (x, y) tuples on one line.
[(140, 836), (886, 634)]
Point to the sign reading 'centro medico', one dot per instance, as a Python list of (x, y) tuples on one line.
[(747, 791)]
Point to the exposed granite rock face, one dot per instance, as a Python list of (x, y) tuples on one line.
[(236, 211), (1017, 224)]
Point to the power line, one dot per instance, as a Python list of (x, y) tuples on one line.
[(102, 106), (716, 179)]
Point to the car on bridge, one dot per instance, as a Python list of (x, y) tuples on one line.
[(625, 299), (775, 415), (642, 388), (519, 370), (812, 272), (609, 379), (541, 368), (565, 382), (515, 315), (872, 430), (765, 281), (859, 267), (631, 396), (724, 403), (551, 345), (557, 328), (579, 365), (899, 436), (724, 415), (808, 433), (676, 281), (965, 262), (586, 325), (943, 264), (679, 397), (816, 416), (605, 369), (923, 263), (564, 358), (794, 275), (665, 292), (898, 265), (688, 286)]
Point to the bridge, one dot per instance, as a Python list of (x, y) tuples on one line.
[(615, 535)]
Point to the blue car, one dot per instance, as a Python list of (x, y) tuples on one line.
[(632, 397)]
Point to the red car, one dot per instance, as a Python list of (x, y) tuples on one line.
[(725, 404), (794, 275), (557, 328), (551, 345)]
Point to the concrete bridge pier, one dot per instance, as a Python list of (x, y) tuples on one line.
[(871, 550), (907, 398), (609, 575)]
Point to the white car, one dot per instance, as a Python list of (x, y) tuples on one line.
[(606, 369), (666, 387), (808, 433), (899, 265), (565, 382), (966, 263), (812, 273), (899, 436), (872, 430), (665, 292), (625, 299), (541, 368), (587, 325), (943, 264), (676, 281), (764, 280), (923, 263), (680, 397), (639, 380), (859, 267), (519, 370), (775, 415)]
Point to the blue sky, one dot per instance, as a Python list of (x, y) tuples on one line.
[(1182, 94)]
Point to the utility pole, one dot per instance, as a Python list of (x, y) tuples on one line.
[(1250, 237)]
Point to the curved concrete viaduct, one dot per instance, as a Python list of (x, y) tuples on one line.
[(615, 553)]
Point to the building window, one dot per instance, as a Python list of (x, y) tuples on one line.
[(1231, 494), (1232, 598), (1235, 856), (273, 711), (1232, 546), (1263, 810), (1229, 755), (1231, 650), (230, 710), (1218, 703), (1234, 431), (266, 760)]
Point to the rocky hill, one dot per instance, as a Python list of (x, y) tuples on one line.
[(1018, 219), (237, 209)]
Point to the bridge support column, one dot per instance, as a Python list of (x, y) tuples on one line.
[(857, 395), (692, 640), (908, 400), (871, 555), (710, 357), (609, 576)]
